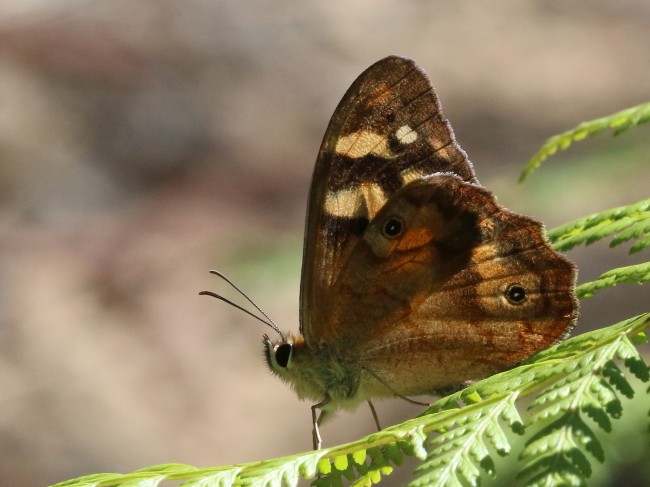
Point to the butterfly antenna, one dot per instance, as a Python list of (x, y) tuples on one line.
[(268, 322)]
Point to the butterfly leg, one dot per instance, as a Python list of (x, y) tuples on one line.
[(315, 433), (374, 414)]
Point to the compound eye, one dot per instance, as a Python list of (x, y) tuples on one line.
[(283, 354), (393, 227), (515, 294)]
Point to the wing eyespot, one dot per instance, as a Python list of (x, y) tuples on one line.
[(515, 294), (393, 227)]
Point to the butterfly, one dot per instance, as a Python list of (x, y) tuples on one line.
[(414, 279)]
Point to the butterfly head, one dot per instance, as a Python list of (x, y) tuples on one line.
[(279, 353), (296, 364)]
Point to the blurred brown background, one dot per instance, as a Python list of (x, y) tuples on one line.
[(143, 142)]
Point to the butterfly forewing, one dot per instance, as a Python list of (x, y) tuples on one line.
[(388, 130)]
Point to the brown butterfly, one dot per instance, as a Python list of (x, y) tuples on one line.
[(414, 279)]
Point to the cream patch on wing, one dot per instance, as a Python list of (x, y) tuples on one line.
[(410, 174), (363, 201), (405, 135), (364, 142)]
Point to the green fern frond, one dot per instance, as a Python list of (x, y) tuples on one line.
[(558, 450), (571, 381), (633, 274), (460, 451), (630, 222), (620, 122)]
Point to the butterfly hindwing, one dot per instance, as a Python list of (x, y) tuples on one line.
[(447, 277)]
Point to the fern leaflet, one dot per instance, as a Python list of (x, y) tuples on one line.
[(630, 222), (634, 274), (620, 122)]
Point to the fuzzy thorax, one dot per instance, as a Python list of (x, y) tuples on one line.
[(315, 373)]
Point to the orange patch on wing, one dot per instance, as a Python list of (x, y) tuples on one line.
[(381, 95), (417, 237)]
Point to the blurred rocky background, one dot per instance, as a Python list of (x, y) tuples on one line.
[(143, 142)]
